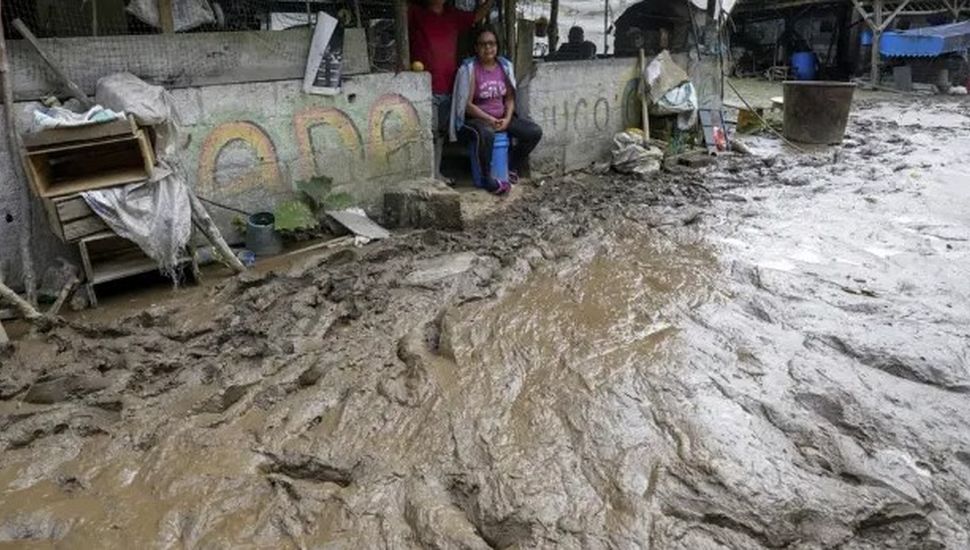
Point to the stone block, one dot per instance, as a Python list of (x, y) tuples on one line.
[(423, 203)]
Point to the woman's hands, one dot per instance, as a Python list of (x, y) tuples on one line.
[(500, 124)]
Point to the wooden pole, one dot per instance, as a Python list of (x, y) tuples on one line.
[(876, 37), (63, 296), (606, 26), (165, 16), (73, 88), (16, 161), (401, 35), (553, 32), (510, 16), (644, 101), (202, 219), (27, 311)]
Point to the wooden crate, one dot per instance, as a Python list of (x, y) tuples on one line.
[(71, 219), (106, 257), (65, 161)]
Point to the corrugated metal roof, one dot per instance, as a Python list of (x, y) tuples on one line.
[(926, 41)]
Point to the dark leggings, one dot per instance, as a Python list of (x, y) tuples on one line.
[(525, 135)]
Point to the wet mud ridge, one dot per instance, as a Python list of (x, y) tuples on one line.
[(772, 352)]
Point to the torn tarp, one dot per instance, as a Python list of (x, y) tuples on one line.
[(155, 215)]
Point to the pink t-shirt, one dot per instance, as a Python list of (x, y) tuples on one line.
[(490, 90)]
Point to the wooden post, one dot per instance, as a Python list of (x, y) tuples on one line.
[(204, 222), (644, 101), (553, 32), (27, 311), (508, 10), (606, 26), (16, 161), (401, 35), (876, 36), (75, 90), (165, 16)]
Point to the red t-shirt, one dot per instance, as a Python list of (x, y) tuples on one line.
[(434, 42)]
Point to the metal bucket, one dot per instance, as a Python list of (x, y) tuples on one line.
[(817, 112), (261, 236)]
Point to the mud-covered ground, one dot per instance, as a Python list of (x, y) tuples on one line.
[(772, 352)]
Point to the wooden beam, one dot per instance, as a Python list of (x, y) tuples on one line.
[(553, 31), (401, 35), (868, 19), (67, 82), (892, 16), (166, 18), (876, 38)]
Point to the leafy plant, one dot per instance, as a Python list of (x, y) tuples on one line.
[(294, 215)]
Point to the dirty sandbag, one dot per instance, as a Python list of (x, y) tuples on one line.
[(150, 105), (630, 156), (661, 75), (186, 14)]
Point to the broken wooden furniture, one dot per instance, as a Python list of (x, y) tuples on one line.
[(64, 161), (106, 257)]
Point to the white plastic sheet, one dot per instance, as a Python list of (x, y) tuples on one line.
[(186, 14)]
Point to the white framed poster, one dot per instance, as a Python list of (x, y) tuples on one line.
[(323, 67)]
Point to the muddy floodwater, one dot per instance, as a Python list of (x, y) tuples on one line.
[(771, 352)]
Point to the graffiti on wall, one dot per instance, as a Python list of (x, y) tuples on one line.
[(587, 114), (392, 125)]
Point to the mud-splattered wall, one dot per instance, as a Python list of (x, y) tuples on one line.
[(580, 105), (247, 145)]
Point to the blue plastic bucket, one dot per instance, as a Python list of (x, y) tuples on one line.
[(865, 38), (500, 160), (803, 65)]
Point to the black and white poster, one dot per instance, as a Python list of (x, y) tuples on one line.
[(323, 68)]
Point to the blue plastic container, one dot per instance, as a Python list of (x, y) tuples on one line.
[(865, 37), (500, 160), (804, 65)]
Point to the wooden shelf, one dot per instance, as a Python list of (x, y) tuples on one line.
[(60, 170), (110, 178)]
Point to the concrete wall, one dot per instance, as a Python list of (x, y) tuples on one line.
[(580, 105), (247, 145)]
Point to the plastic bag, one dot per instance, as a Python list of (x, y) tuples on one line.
[(186, 14)]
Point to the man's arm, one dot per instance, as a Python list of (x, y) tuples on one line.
[(482, 11)]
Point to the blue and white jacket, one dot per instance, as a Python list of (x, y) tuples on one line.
[(463, 90)]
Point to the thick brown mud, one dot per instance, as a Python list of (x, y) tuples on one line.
[(771, 353)]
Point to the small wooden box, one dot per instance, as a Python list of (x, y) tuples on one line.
[(71, 219), (70, 160)]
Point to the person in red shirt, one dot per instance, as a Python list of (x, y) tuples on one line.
[(433, 31)]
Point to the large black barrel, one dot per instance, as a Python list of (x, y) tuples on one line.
[(817, 112)]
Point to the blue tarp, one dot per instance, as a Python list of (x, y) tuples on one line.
[(926, 41)]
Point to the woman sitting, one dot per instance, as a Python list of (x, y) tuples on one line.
[(484, 103)]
